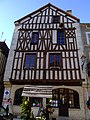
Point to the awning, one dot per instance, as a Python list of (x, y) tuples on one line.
[(37, 91)]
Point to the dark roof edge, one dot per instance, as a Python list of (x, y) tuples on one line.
[(49, 4), (4, 48)]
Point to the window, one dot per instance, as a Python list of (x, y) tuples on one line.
[(65, 96), (18, 98), (88, 68), (60, 37), (36, 102), (56, 19), (88, 37), (30, 60), (55, 59), (35, 38)]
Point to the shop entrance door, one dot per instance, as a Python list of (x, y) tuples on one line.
[(63, 105)]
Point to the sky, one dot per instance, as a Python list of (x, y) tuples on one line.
[(12, 10)]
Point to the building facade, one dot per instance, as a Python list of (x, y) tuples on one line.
[(3, 58), (46, 51), (85, 34)]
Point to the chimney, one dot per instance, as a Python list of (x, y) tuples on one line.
[(69, 11)]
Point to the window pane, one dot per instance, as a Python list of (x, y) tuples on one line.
[(36, 102), (18, 98), (35, 37), (57, 60), (66, 96), (27, 61), (60, 37), (71, 100), (51, 60), (54, 59), (30, 60), (56, 19), (76, 100), (54, 103)]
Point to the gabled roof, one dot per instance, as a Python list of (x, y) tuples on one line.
[(49, 4)]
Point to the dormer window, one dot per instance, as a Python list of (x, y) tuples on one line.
[(35, 38), (56, 19), (60, 37), (30, 60)]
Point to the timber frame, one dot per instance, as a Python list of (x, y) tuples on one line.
[(41, 21)]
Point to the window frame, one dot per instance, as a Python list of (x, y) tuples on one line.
[(88, 68), (64, 91), (60, 61), (37, 41), (61, 37), (18, 100), (30, 67), (36, 99), (56, 19)]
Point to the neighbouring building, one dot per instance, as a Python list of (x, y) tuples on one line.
[(85, 34), (3, 58), (45, 59)]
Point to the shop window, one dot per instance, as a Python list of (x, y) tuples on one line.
[(18, 97), (30, 60), (36, 102), (68, 96)]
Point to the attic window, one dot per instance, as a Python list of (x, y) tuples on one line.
[(56, 19)]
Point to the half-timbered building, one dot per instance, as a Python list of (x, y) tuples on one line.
[(44, 59)]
